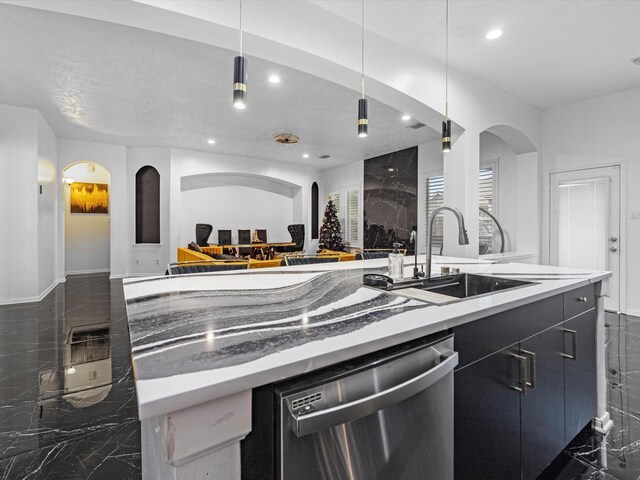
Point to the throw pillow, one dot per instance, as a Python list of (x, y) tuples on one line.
[(195, 247)]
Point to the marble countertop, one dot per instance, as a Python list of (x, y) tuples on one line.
[(195, 338)]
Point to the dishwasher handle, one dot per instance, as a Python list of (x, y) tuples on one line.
[(324, 419)]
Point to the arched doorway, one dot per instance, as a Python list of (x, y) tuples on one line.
[(87, 217)]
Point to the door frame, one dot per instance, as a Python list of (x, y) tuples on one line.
[(622, 212)]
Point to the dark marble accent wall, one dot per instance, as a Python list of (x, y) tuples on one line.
[(390, 198)]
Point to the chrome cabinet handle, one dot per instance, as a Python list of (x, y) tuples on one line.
[(574, 343), (613, 249), (583, 299), (302, 425), (613, 239), (532, 368), (522, 389)]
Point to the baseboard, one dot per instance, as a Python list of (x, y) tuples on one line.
[(130, 275), (88, 272), (36, 298), (48, 290)]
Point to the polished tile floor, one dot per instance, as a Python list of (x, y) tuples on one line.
[(68, 406), (67, 399)]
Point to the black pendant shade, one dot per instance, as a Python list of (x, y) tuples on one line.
[(239, 82), (363, 118), (446, 136)]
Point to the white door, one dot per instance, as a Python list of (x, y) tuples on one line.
[(585, 223)]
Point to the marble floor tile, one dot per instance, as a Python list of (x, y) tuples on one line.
[(616, 456), (68, 405)]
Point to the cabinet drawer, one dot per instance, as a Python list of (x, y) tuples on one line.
[(579, 301)]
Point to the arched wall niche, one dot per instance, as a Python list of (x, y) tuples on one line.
[(147, 205), (314, 211)]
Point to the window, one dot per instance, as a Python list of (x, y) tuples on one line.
[(352, 220), (147, 205), (314, 211), (435, 198), (335, 196), (486, 189), (487, 201)]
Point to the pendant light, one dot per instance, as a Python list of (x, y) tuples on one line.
[(363, 118), (446, 124), (240, 74)]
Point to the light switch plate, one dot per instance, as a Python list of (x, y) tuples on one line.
[(635, 215)]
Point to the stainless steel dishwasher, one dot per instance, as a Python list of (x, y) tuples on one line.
[(388, 417)]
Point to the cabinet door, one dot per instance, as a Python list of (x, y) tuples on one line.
[(542, 408), (579, 372), (487, 418)]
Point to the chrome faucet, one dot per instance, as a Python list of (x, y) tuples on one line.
[(463, 239)]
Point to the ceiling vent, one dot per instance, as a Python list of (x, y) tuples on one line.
[(636, 61), (286, 139), (417, 125), (324, 156)]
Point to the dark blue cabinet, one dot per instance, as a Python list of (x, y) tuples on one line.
[(526, 385)]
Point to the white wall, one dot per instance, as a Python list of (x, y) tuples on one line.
[(233, 208), (601, 132), (18, 204), (49, 271), (149, 258), (113, 158), (87, 237), (187, 162)]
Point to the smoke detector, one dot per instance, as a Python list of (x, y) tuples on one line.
[(286, 139), (636, 61)]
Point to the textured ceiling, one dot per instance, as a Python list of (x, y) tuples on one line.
[(552, 53), (116, 84)]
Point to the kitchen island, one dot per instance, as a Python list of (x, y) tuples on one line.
[(201, 343)]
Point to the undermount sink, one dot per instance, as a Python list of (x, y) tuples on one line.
[(467, 285), (451, 288)]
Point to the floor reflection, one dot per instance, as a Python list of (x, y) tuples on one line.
[(67, 398)]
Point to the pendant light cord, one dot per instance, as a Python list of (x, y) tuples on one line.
[(446, 64), (240, 27), (362, 51)]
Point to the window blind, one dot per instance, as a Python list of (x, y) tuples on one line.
[(486, 201), (352, 215), (435, 199), (335, 196)]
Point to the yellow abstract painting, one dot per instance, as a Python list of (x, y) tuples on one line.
[(89, 197)]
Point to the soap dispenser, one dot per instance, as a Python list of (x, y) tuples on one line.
[(396, 263)]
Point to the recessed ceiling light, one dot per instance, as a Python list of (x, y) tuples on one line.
[(406, 117), (305, 155), (274, 79), (493, 34), (211, 141)]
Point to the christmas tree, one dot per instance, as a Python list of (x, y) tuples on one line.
[(330, 236)]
